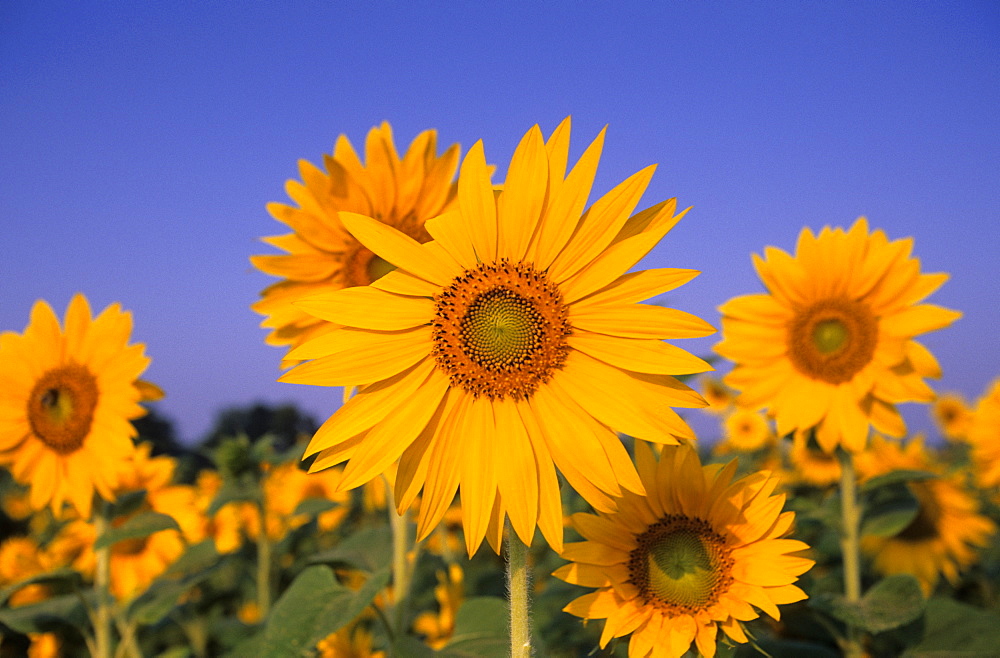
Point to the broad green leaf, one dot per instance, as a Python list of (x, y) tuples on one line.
[(194, 566), (957, 629), (48, 615), (369, 550), (50, 577), (896, 477), (889, 510), (892, 602), (312, 607), (234, 492), (315, 506), (139, 526), (480, 630)]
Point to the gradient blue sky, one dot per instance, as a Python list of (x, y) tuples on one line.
[(140, 142)]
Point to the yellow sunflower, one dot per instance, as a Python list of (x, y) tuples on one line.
[(697, 553), (745, 430), (20, 559), (509, 344), (952, 416), (66, 399), (321, 253), (831, 345), (438, 627), (719, 397), (810, 464), (984, 435), (948, 531), (351, 641)]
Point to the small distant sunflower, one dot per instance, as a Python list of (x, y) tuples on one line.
[(745, 430), (437, 628), (810, 464), (831, 345), (948, 531), (321, 254), (719, 397), (66, 399), (516, 322), (984, 435), (21, 558), (694, 555), (286, 486), (952, 416), (351, 641)]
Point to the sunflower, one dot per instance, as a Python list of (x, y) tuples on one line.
[(20, 559), (691, 556), (948, 530), (438, 627), (746, 430), (952, 416), (510, 343), (66, 399), (832, 345), (351, 641), (321, 254), (810, 464), (984, 435), (719, 397)]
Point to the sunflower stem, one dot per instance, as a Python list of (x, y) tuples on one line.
[(102, 583), (400, 565), (263, 566), (850, 545), (517, 583)]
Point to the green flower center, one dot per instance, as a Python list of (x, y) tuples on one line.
[(500, 330), (681, 565), (61, 407), (830, 336)]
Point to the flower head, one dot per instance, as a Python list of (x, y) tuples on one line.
[(984, 436), (509, 345), (321, 254), (952, 416), (831, 344), (66, 399), (697, 553)]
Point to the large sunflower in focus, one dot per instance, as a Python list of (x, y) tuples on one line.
[(509, 343), (697, 553), (66, 399), (946, 534), (831, 345), (321, 253)]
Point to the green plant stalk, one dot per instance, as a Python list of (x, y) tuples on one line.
[(102, 583), (850, 545), (401, 575), (263, 567), (517, 583)]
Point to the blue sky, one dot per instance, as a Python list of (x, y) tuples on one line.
[(140, 142)]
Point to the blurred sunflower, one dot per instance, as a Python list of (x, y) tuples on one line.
[(20, 559), (322, 254), (693, 555), (351, 641), (438, 627), (810, 464), (44, 645), (831, 344), (66, 399), (984, 435), (719, 397), (287, 486), (952, 416), (745, 430), (517, 322), (948, 530)]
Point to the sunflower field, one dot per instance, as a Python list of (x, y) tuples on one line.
[(512, 471)]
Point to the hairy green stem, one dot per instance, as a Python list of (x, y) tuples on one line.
[(517, 583), (850, 545)]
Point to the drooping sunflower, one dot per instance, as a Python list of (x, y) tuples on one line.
[(66, 399), (984, 435), (697, 553), (321, 253), (831, 344), (510, 343), (948, 531)]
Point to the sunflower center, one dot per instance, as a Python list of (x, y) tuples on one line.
[(925, 525), (500, 330), (362, 267), (832, 340), (61, 407), (681, 565)]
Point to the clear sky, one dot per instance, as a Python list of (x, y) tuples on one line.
[(140, 142)]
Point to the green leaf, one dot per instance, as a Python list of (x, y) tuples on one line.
[(193, 567), (315, 506), (889, 510), (234, 492), (896, 477), (366, 549), (952, 628), (139, 526), (50, 577), (312, 607), (49, 615), (480, 630), (892, 602)]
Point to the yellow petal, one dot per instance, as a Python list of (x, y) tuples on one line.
[(451, 231), (366, 307), (397, 248), (652, 356), (520, 204), (354, 367), (639, 321), (516, 474), (475, 198)]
